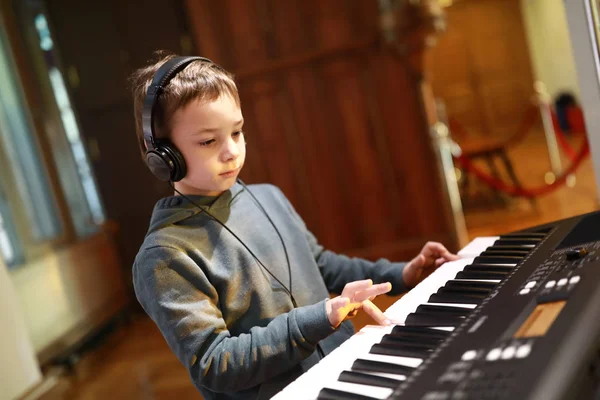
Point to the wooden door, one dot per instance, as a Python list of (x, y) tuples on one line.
[(481, 66)]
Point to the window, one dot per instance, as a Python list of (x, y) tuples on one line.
[(48, 194)]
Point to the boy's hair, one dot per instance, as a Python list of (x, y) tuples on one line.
[(200, 80)]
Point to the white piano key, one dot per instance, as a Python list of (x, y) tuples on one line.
[(384, 375), (372, 391), (406, 361), (505, 264), (463, 305), (478, 280), (477, 246)]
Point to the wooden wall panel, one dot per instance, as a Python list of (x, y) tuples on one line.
[(481, 66), (333, 119)]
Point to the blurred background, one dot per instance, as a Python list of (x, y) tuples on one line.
[(386, 123)]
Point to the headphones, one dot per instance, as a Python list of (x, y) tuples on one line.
[(162, 158)]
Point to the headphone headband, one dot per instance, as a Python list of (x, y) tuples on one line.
[(161, 79)]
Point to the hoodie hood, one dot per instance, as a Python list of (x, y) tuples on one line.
[(173, 209)]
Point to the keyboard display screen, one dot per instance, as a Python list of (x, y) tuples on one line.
[(540, 320)]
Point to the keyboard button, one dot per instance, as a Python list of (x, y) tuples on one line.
[(523, 350), (562, 282), (530, 284), (575, 279), (469, 355), (508, 353), (493, 354)]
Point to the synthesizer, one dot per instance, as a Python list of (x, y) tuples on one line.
[(517, 317)]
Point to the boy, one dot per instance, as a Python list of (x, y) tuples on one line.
[(231, 276)]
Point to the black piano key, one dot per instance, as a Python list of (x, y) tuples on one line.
[(498, 252), (423, 319), (369, 380), (517, 241), (382, 367), (523, 235), (497, 259), (482, 293), (443, 310), (488, 267), (411, 340), (481, 275), (399, 343), (334, 394), (399, 351), (454, 298), (510, 248), (419, 332), (471, 284)]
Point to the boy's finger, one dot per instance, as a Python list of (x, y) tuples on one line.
[(375, 313), (356, 286), (373, 291), (339, 302), (443, 252), (440, 261)]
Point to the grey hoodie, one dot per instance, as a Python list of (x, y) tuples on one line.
[(225, 317)]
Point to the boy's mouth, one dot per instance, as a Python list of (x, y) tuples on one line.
[(230, 172)]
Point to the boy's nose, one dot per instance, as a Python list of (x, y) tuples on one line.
[(231, 151)]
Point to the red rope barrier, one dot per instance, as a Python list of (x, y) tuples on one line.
[(468, 165)]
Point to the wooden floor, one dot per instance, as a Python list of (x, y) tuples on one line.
[(135, 362)]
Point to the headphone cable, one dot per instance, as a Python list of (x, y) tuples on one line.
[(289, 291)]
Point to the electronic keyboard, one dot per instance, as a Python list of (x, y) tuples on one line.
[(517, 317)]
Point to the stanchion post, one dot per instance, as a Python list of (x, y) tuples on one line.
[(543, 103), (545, 107)]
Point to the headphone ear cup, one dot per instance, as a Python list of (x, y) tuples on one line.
[(160, 165), (179, 168), (166, 163)]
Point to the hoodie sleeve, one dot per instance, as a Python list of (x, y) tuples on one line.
[(178, 296), (338, 270)]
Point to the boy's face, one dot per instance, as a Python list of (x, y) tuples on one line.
[(209, 136)]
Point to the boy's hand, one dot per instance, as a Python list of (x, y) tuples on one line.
[(357, 295), (431, 257)]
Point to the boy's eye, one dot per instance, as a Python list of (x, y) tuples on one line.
[(207, 142), (238, 133)]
